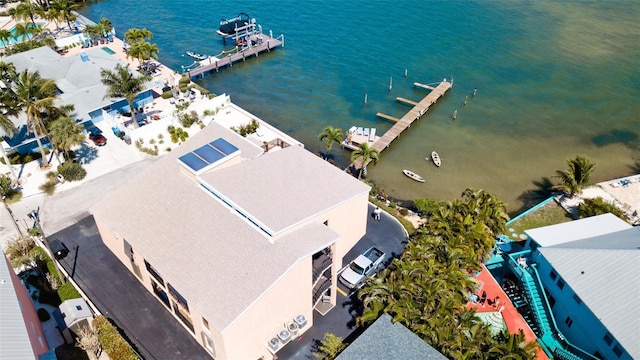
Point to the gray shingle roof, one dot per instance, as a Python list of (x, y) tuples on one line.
[(384, 340), (176, 225), (603, 272)]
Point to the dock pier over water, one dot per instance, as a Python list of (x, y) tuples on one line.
[(261, 43), (416, 112)]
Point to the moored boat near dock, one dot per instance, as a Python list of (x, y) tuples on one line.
[(237, 28), (435, 158), (413, 175)]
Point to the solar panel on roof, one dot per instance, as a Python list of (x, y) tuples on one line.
[(223, 146), (209, 154), (193, 161)]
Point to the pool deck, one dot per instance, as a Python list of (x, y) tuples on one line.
[(512, 318)]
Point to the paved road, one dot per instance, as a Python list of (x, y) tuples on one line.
[(387, 235)]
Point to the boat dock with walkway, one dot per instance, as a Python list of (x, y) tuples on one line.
[(416, 112), (259, 43)]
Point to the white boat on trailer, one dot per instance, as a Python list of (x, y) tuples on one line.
[(413, 175)]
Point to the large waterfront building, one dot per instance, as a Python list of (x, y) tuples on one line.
[(587, 271), (239, 237)]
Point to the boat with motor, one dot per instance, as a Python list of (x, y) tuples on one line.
[(413, 175), (196, 56), (237, 27), (435, 158)]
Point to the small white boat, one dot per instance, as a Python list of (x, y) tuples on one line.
[(413, 175), (436, 158), (196, 56)]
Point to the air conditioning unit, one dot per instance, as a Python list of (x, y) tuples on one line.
[(293, 327), (284, 335), (301, 320), (274, 343)]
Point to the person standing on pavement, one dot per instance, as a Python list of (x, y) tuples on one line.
[(376, 213)]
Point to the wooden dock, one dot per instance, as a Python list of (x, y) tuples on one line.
[(387, 117), (416, 112), (264, 43)]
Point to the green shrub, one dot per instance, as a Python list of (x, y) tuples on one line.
[(19, 159), (426, 206), (34, 231), (112, 343), (188, 119), (49, 187), (167, 94), (404, 212), (72, 171), (68, 291), (43, 315), (247, 129), (146, 150), (177, 134)]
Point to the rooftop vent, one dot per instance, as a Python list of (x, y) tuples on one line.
[(274, 343), (284, 335), (301, 320)]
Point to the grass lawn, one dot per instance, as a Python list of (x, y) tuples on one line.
[(549, 214)]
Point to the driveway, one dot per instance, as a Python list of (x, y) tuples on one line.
[(387, 235), (117, 293)]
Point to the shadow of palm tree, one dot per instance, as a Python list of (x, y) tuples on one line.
[(635, 168), (86, 154), (533, 197)]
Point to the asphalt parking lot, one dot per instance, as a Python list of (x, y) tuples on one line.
[(387, 235)]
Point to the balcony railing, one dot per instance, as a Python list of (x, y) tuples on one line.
[(321, 287), (320, 265)]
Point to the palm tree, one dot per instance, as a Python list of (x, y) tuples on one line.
[(65, 134), (106, 25), (9, 128), (5, 37), (26, 10), (143, 50), (368, 154), (123, 83), (574, 179), (35, 95), (135, 35), (598, 206), (65, 10), (330, 135)]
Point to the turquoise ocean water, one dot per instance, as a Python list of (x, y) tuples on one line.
[(554, 80)]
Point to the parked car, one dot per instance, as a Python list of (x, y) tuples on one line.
[(97, 138), (364, 265)]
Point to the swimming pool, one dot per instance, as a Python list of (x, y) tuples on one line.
[(108, 51), (18, 39)]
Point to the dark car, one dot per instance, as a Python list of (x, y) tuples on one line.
[(97, 138), (59, 249)]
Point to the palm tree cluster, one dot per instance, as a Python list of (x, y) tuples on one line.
[(99, 31), (140, 48), (122, 83), (28, 33), (427, 288), (35, 96)]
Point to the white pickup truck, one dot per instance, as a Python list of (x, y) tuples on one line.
[(363, 266)]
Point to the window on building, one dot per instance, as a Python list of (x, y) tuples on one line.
[(597, 355), (553, 275), (617, 351), (560, 284), (568, 321), (178, 298), (208, 344), (608, 339), (154, 273), (205, 323), (577, 299)]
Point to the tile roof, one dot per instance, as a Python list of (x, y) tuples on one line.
[(603, 272), (178, 226)]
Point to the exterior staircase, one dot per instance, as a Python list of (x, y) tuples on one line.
[(549, 337)]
